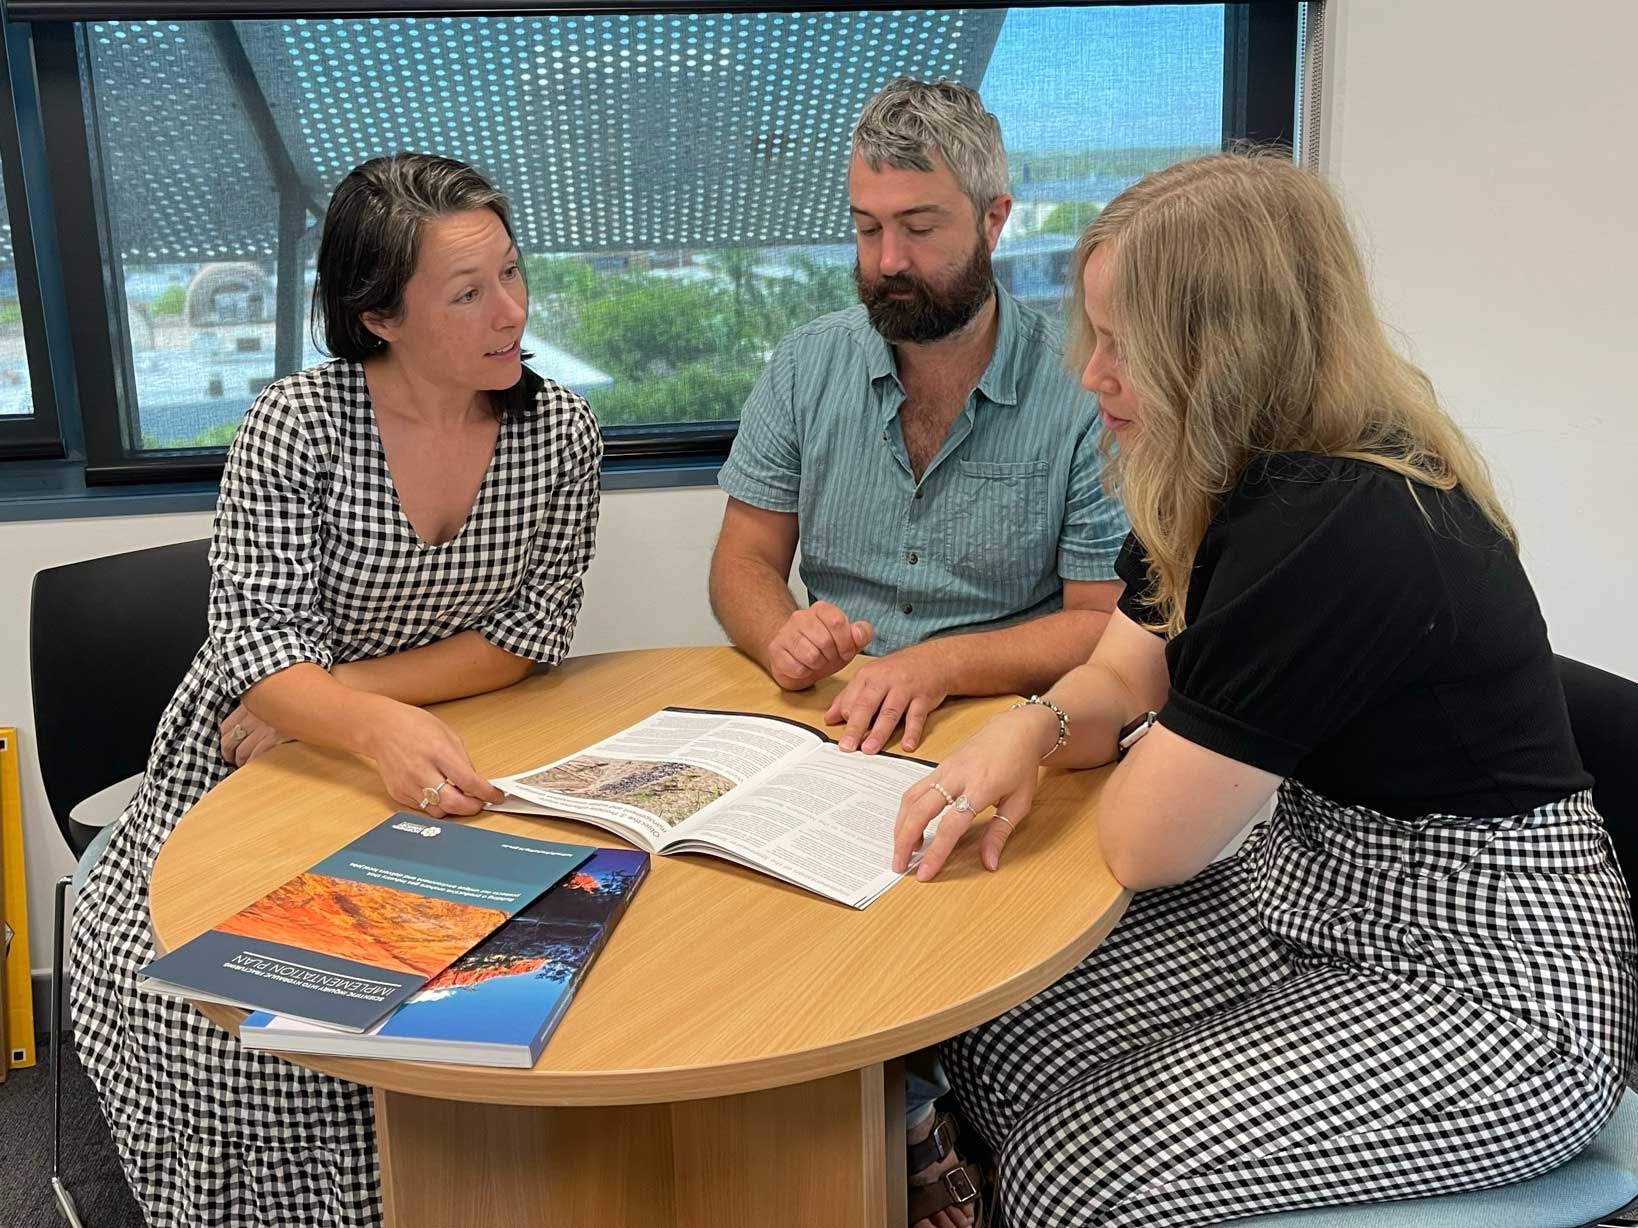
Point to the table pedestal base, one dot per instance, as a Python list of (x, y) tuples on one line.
[(814, 1154)]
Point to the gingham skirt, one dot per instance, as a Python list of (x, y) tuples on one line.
[(1351, 1008)]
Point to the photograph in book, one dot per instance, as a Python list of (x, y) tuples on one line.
[(671, 792), (765, 792)]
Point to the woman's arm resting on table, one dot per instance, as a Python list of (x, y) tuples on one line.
[(413, 749), (998, 765), (1171, 806), (464, 664)]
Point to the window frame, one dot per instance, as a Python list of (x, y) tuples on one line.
[(38, 435), (1260, 67)]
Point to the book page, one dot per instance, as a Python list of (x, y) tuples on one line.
[(824, 822), (655, 776)]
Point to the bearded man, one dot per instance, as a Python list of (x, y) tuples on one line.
[(938, 466)]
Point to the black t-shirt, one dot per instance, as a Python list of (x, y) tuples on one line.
[(1384, 649)]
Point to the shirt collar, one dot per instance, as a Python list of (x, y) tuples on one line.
[(999, 383)]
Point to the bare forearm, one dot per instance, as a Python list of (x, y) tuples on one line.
[(1097, 702), (453, 668), (306, 703), (752, 602), (1018, 660)]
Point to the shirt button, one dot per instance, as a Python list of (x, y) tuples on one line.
[(908, 608), (912, 558)]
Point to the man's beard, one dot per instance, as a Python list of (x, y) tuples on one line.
[(928, 314)]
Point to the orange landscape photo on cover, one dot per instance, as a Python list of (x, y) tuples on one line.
[(373, 924)]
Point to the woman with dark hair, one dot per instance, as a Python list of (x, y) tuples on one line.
[(406, 524), (1415, 978)]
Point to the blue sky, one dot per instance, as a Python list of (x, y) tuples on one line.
[(1096, 78)]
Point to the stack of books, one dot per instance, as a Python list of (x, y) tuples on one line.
[(419, 940)]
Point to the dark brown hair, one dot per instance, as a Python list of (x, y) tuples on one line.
[(371, 242)]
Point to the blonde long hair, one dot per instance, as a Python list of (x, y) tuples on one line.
[(1246, 328)]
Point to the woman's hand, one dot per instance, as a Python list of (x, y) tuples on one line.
[(244, 736), (415, 751), (995, 767)]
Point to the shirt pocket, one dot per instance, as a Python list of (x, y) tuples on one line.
[(994, 537)]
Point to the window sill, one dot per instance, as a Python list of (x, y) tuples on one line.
[(56, 490)]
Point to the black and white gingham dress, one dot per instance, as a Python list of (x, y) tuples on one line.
[(312, 560), (1350, 1008)]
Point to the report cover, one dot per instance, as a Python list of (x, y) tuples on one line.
[(346, 941), (498, 1004)]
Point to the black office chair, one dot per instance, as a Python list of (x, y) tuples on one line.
[(1604, 716), (109, 639)]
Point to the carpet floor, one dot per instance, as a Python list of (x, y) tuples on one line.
[(90, 1169)]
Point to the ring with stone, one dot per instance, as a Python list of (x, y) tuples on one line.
[(961, 805), (238, 734), (429, 795), (942, 792)]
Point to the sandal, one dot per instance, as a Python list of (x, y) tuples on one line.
[(958, 1186)]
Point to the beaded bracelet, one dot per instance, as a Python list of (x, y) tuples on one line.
[(1063, 720)]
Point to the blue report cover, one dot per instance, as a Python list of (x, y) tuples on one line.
[(498, 1004), (346, 941)]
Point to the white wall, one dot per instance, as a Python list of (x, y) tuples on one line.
[(646, 588), (1484, 149)]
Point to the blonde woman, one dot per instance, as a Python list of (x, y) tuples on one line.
[(1416, 977)]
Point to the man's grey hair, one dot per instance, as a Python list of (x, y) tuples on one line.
[(909, 121)]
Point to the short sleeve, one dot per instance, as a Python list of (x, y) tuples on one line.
[(265, 614), (1094, 521), (1317, 597), (764, 467), (537, 621), (1132, 567)]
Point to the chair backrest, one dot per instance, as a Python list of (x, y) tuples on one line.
[(1604, 716), (109, 639)]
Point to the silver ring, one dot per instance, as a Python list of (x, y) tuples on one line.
[(429, 795), (961, 805), (942, 792), (238, 734), (998, 817)]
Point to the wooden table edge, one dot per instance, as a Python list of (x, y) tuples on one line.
[(506, 1085)]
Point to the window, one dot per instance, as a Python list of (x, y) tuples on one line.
[(28, 421), (678, 180)]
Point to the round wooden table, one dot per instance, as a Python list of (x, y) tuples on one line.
[(731, 1057)]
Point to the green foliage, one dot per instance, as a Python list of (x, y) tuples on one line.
[(680, 350), (1070, 218), (652, 326), (550, 276), (168, 302), (11, 312), (699, 392), (218, 436)]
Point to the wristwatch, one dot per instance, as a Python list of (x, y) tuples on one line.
[(1131, 732)]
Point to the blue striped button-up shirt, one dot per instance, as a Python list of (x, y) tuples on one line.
[(1011, 504)]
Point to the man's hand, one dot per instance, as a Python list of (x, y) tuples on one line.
[(905, 685), (814, 643)]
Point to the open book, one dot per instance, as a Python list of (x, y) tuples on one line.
[(762, 791)]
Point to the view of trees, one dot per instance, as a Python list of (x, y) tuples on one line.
[(683, 345)]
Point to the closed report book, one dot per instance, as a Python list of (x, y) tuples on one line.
[(499, 1003), (346, 941)]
